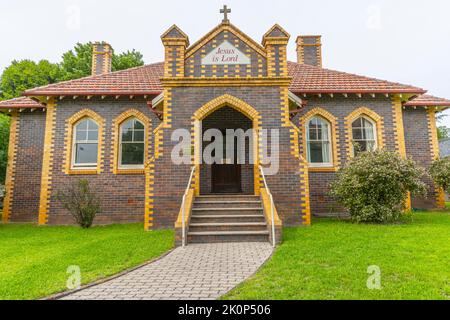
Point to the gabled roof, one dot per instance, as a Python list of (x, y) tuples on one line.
[(145, 80), (19, 103), (428, 100), (311, 79), (228, 27)]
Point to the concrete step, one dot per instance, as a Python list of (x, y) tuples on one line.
[(227, 204), (213, 218), (228, 236), (227, 197), (226, 211), (227, 226)]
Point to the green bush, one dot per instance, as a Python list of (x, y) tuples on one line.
[(440, 173), (374, 186), (82, 203)]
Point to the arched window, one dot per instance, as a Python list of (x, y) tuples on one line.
[(318, 136), (85, 144), (132, 144), (364, 135)]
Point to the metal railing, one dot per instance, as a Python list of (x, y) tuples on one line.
[(183, 208), (272, 205)]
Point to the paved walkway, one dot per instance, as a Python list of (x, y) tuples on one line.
[(198, 272)]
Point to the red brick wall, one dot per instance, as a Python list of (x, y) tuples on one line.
[(27, 179)]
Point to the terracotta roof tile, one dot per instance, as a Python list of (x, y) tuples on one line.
[(22, 102), (427, 100), (146, 80), (310, 79), (135, 81)]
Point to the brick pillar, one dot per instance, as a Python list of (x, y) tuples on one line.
[(175, 43), (275, 41), (309, 50)]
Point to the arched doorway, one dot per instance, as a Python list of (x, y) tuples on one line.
[(232, 112), (233, 173)]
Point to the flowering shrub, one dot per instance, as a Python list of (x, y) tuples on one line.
[(440, 172), (82, 203), (374, 186)]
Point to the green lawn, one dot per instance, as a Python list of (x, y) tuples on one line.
[(34, 260), (330, 261)]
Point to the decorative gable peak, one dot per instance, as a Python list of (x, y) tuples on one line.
[(276, 33), (174, 33)]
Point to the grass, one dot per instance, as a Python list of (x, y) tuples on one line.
[(34, 260), (330, 261)]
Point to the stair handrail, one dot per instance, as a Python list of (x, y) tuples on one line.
[(183, 209), (272, 205)]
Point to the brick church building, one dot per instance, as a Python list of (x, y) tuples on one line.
[(116, 129)]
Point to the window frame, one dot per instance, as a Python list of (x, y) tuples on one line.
[(329, 164), (119, 160), (84, 166), (375, 133)]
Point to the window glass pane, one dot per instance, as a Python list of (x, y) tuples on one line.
[(312, 134), (127, 135), (326, 152), (357, 134), (82, 125), (92, 135), (138, 125), (369, 134), (127, 125), (92, 125), (325, 129), (315, 152), (81, 135), (86, 153), (132, 154), (357, 123), (139, 136)]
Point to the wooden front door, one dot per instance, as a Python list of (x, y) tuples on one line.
[(226, 178)]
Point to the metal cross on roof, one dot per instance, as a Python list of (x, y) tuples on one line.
[(225, 12)]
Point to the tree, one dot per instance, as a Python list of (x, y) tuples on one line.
[(77, 63), (126, 60), (4, 139), (27, 74), (374, 186), (443, 132)]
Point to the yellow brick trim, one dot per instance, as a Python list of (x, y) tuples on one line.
[(117, 122), (68, 142), (11, 169), (399, 130), (399, 133), (240, 106), (296, 151), (167, 113), (158, 134), (47, 163), (379, 123), (149, 193), (226, 82), (333, 121), (284, 106), (434, 148)]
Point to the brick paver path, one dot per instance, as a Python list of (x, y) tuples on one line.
[(200, 271)]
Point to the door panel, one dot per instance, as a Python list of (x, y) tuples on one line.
[(226, 178)]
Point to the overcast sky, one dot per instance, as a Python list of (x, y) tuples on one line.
[(403, 40)]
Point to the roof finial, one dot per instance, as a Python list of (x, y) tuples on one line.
[(225, 12)]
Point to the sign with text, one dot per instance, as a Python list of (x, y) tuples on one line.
[(225, 53)]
